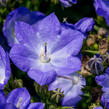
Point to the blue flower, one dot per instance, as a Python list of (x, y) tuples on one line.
[(71, 85), (102, 8), (68, 3), (105, 99), (47, 49), (19, 98), (107, 70), (19, 14), (2, 97), (98, 107), (5, 70), (103, 80), (7, 106), (84, 25)]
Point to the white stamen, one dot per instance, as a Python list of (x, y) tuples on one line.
[(44, 56), (19, 102), (76, 79)]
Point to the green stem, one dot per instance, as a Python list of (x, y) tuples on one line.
[(90, 51)]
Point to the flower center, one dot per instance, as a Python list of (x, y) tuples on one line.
[(76, 80), (44, 56)]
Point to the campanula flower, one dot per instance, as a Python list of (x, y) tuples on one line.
[(107, 70), (105, 99), (46, 50), (98, 107), (96, 64), (68, 3), (19, 98), (102, 8), (71, 85), (5, 70), (103, 80), (19, 14), (84, 25)]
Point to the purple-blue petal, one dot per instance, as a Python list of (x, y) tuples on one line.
[(23, 57), (105, 100), (7, 106), (103, 80), (4, 68), (65, 65), (69, 38), (85, 24), (42, 77), (25, 34), (99, 107), (102, 9), (48, 28), (19, 14), (19, 97), (107, 70), (36, 106), (2, 97)]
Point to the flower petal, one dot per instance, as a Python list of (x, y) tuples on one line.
[(36, 106), (23, 56), (49, 27), (19, 14), (7, 106), (5, 70), (69, 42), (105, 100), (65, 66), (85, 24), (19, 97), (2, 97), (102, 9), (42, 78), (26, 34)]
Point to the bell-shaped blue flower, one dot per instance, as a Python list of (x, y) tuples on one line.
[(71, 85), (103, 80), (102, 9), (47, 49), (5, 70), (19, 14), (105, 99), (84, 25), (18, 98), (98, 107)]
